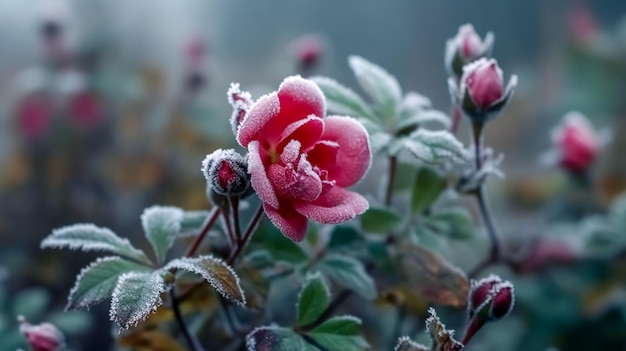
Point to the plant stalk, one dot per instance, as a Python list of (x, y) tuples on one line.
[(208, 223), (194, 344)]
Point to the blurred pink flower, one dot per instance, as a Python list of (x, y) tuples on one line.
[(41, 337), (309, 49), (301, 161), (34, 116), (582, 23), (466, 47), (577, 142), (86, 110)]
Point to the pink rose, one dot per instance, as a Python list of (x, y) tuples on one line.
[(466, 47), (41, 337), (34, 116), (301, 161), (577, 142)]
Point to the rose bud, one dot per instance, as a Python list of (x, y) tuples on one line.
[(41, 337), (241, 101), (480, 294), (481, 94), (464, 48), (502, 301), (34, 116), (308, 50), (577, 143), (226, 172), (195, 56)]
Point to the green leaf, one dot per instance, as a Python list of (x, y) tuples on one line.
[(428, 186), (379, 220), (435, 147), (382, 87), (313, 299), (416, 110), (339, 325), (96, 282), (406, 182), (340, 333), (88, 237), (281, 248), (350, 273), (406, 344), (161, 225), (342, 100), (346, 239), (135, 297), (215, 271), (433, 277), (192, 221), (453, 222), (272, 338)]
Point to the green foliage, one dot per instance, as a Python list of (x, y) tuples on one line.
[(428, 186), (135, 297), (343, 100), (313, 300), (382, 87), (161, 225), (380, 220), (272, 338), (349, 273), (340, 333)]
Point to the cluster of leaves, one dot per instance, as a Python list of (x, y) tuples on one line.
[(132, 280)]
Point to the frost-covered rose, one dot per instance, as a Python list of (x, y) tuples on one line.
[(41, 337), (577, 142), (301, 161), (466, 47)]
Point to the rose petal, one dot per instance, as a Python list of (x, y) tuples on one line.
[(264, 110), (354, 156), (323, 154), (300, 184), (259, 179), (306, 131), (291, 223), (335, 206)]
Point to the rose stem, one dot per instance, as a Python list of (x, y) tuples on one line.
[(246, 236), (193, 342)]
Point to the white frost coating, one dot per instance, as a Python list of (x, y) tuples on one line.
[(135, 297), (436, 146), (302, 91), (382, 87), (79, 278), (405, 341), (88, 237), (342, 100), (202, 266), (415, 101), (160, 225)]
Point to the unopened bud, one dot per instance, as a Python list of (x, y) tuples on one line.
[(502, 302), (241, 101), (226, 172), (41, 337), (577, 143), (481, 94), (480, 293), (308, 49), (464, 48), (490, 299)]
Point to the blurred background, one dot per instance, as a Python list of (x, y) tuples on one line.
[(109, 106)]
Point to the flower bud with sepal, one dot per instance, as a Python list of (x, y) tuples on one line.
[(241, 101), (480, 293), (41, 337), (481, 94), (464, 48), (577, 143), (226, 172)]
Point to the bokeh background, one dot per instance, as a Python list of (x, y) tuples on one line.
[(109, 106)]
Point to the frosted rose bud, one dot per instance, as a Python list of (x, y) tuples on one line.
[(480, 293), (464, 48), (481, 93), (41, 337), (226, 172), (577, 142), (241, 101), (502, 302), (308, 49)]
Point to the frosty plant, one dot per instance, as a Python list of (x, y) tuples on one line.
[(303, 148)]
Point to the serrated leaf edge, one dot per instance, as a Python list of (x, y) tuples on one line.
[(115, 296)]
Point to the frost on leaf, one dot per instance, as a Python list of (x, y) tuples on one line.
[(135, 297), (436, 147), (406, 344), (443, 339), (88, 237), (340, 333), (216, 272), (272, 338), (161, 224), (342, 100), (96, 282), (382, 87)]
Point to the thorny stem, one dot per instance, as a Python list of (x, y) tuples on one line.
[(393, 165), (208, 223), (494, 253), (246, 236), (194, 344)]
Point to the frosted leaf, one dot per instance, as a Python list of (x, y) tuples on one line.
[(96, 282), (443, 339), (274, 338), (216, 272), (340, 333), (161, 224), (88, 237), (436, 147), (135, 297), (419, 117), (382, 87), (342, 100), (193, 220), (340, 325), (313, 299), (406, 344)]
